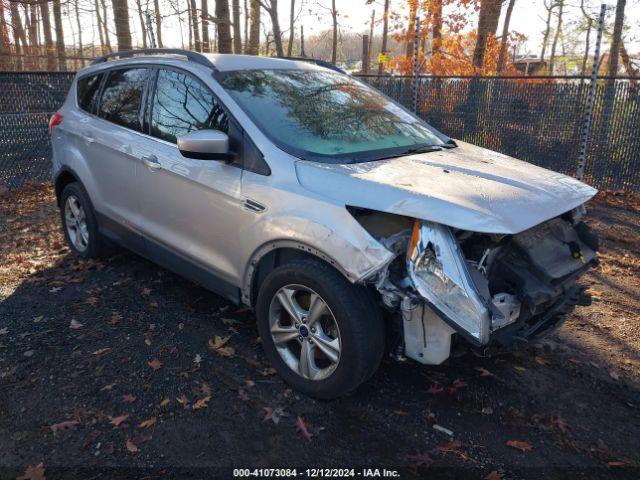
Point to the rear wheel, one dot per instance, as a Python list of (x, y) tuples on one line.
[(79, 223), (323, 334)]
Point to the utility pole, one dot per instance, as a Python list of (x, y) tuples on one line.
[(588, 115), (365, 55)]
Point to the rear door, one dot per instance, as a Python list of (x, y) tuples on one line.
[(191, 208), (113, 139)]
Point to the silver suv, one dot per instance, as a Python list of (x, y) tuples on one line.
[(348, 224)]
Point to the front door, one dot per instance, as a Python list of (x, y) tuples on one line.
[(191, 208)]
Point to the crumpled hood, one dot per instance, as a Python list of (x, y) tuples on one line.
[(468, 187)]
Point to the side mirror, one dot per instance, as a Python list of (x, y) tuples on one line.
[(206, 145)]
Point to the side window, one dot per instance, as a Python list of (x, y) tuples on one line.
[(122, 97), (182, 104), (87, 92)]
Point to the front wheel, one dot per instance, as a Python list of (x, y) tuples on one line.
[(324, 335)]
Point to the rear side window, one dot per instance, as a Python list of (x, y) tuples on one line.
[(88, 88), (182, 104), (122, 97)]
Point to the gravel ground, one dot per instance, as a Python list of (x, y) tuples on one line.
[(120, 369)]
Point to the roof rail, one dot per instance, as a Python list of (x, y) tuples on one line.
[(321, 63), (194, 57)]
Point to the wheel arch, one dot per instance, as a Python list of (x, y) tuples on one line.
[(63, 178), (277, 253)]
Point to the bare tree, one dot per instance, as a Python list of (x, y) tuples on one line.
[(504, 41), (616, 38), (556, 36), (19, 36), (143, 26), (105, 23), (121, 20), (587, 46), (549, 7), (156, 8), (57, 19), (487, 26), (4, 38), (334, 38), (271, 6), (224, 26), (194, 25), (254, 33), (237, 35), (206, 45), (32, 27), (385, 34), (246, 25), (292, 27), (48, 37), (79, 25)]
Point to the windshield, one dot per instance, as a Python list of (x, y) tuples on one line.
[(327, 116)]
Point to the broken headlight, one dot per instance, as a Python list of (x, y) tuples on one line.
[(439, 273)]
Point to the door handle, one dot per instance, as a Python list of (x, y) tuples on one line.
[(151, 161)]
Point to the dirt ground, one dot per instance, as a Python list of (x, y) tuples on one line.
[(119, 369)]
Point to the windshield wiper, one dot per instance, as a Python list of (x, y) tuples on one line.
[(414, 150)]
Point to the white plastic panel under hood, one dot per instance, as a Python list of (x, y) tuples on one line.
[(467, 187)]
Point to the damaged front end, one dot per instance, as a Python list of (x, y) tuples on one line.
[(491, 289)]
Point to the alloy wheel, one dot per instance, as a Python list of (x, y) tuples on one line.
[(76, 223), (305, 332)]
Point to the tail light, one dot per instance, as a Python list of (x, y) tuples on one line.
[(56, 119)]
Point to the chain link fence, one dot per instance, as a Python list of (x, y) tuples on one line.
[(539, 120)]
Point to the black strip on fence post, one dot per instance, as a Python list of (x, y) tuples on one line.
[(588, 114)]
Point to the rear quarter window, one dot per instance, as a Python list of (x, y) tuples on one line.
[(87, 92), (122, 97)]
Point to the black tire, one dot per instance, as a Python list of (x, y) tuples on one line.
[(358, 317), (97, 245)]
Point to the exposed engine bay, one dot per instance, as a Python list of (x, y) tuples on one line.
[(491, 289)]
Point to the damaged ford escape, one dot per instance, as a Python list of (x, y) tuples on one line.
[(351, 227)]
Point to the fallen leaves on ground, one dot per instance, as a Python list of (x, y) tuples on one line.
[(128, 398), (118, 420), (67, 425), (518, 445), (75, 325), (484, 372), (493, 475), (302, 429), (147, 423), (4, 331), (559, 422), (218, 345), (33, 473), (132, 447), (155, 364), (165, 402), (201, 403), (274, 414)]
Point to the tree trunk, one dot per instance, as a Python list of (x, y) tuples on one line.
[(626, 61), (190, 25), (194, 25), (4, 40), (121, 20), (156, 8), (373, 21), (224, 26), (487, 26), (272, 9), (237, 34), (79, 24), (206, 44), (502, 56), (18, 33), (334, 39), (57, 19), (33, 24), (246, 25), (556, 36), (254, 33), (143, 27), (547, 29), (48, 39), (292, 28), (411, 30), (616, 39), (99, 22), (385, 33), (436, 15), (105, 25)]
